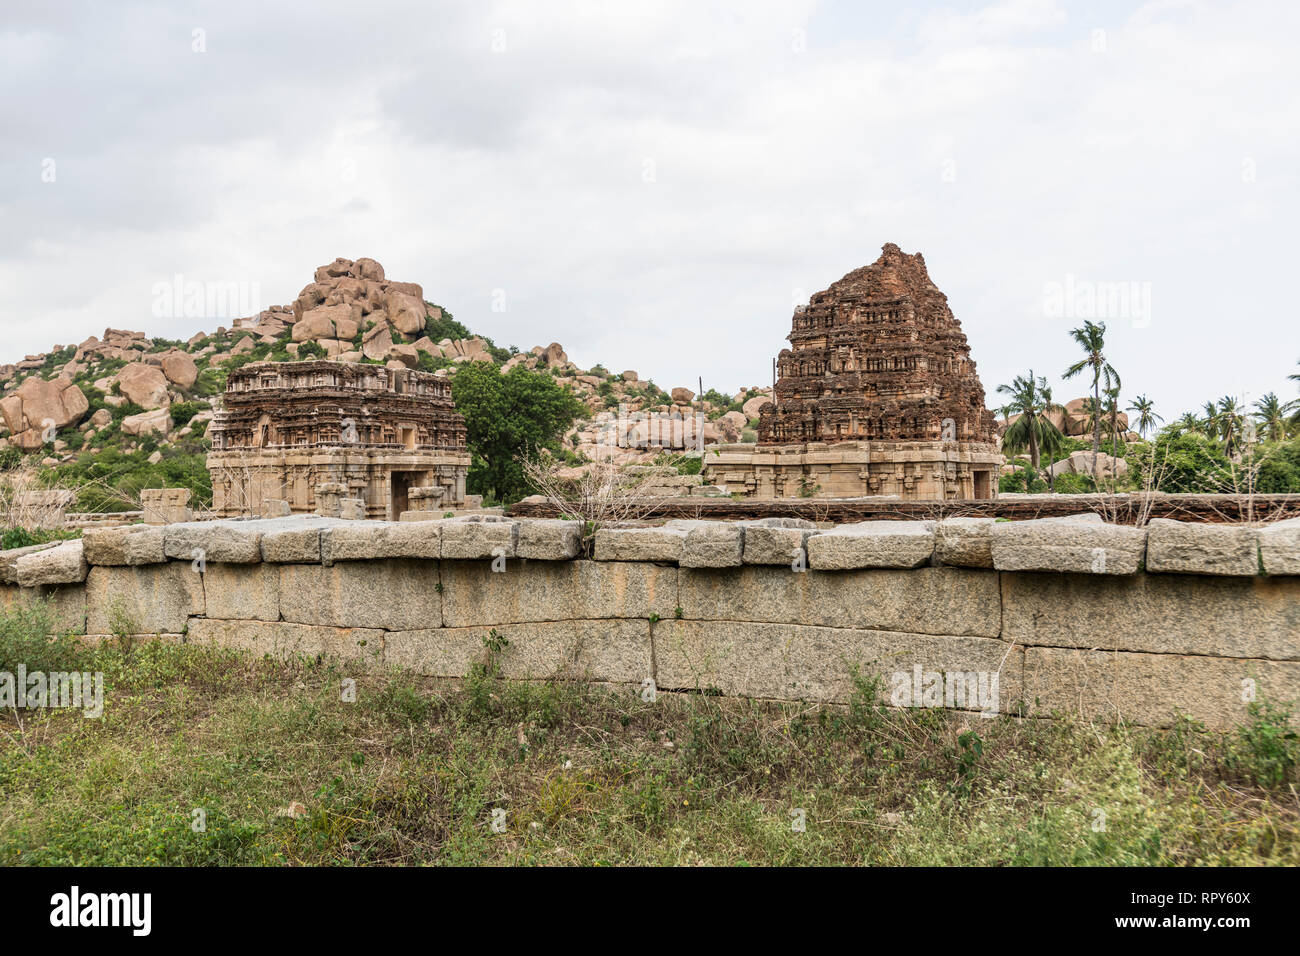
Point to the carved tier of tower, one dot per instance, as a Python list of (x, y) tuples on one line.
[(878, 356), (876, 395)]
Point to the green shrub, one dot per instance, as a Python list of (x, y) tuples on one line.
[(182, 412), (1266, 750), (25, 639)]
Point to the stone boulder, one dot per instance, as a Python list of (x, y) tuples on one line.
[(180, 369), (376, 343), (339, 267), (369, 269), (683, 396), (158, 421), (731, 424), (753, 406), (406, 313), (37, 404), (146, 385), (327, 322), (553, 356)]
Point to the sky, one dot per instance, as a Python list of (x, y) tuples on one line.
[(657, 185)]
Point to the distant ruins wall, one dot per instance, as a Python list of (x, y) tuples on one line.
[(1074, 616)]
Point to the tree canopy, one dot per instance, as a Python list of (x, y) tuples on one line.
[(508, 416)]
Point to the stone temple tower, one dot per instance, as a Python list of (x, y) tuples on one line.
[(877, 394)]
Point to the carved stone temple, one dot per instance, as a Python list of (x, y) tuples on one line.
[(877, 395), (317, 433)]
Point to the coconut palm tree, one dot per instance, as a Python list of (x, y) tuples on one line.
[(1092, 339), (1187, 423), (1271, 415), (1031, 399), (1209, 419), (1145, 416), (1294, 405), (1112, 416), (1228, 419)]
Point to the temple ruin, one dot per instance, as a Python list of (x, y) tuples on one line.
[(315, 434), (877, 395)]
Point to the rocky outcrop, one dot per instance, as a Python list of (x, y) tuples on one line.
[(348, 296), (37, 406)]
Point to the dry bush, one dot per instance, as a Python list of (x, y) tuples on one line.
[(24, 504), (601, 493)]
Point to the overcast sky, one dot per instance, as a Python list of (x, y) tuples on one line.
[(654, 185)]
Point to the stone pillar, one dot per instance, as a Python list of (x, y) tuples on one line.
[(329, 495), (275, 508), (165, 505)]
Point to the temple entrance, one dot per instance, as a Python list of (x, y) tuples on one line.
[(401, 482), (983, 487)]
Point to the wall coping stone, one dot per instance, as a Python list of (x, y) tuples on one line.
[(1181, 547), (63, 564), (872, 544), (1067, 545), (1279, 547), (1076, 544)]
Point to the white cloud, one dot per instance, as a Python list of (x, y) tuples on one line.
[(788, 142)]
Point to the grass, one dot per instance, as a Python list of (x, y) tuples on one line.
[(287, 772)]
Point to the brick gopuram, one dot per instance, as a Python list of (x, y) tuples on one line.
[(877, 395), (313, 433)]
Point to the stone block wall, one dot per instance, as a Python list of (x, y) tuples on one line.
[(1070, 615)]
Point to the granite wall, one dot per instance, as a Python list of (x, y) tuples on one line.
[(1062, 615)]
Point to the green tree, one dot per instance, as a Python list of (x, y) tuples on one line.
[(1187, 424), (1112, 418), (1091, 337), (1228, 419), (1031, 399), (1186, 462), (509, 416), (1272, 417), (1145, 417)]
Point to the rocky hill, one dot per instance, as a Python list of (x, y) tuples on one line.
[(109, 407)]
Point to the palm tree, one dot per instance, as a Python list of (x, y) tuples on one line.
[(1294, 405), (1209, 419), (1112, 414), (1228, 418), (1188, 423), (1144, 409), (1272, 417), (1092, 339), (1031, 399)]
